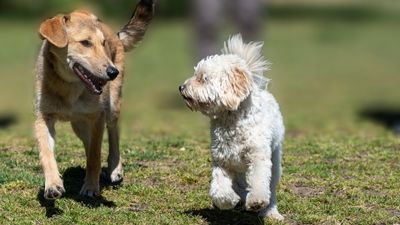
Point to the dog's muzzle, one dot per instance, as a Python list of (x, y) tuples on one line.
[(188, 101), (93, 83)]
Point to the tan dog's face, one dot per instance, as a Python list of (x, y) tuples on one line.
[(219, 83), (79, 43)]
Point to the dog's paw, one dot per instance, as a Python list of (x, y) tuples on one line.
[(224, 203), (225, 200), (276, 216), (90, 190), (117, 175), (272, 213), (54, 191), (255, 203)]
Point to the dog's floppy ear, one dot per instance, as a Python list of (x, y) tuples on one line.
[(54, 31), (240, 89)]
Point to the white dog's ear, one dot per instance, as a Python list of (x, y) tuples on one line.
[(239, 90), (54, 31)]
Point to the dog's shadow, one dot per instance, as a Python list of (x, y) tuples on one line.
[(73, 180), (215, 216)]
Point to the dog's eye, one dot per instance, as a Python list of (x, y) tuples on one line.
[(205, 78), (86, 43)]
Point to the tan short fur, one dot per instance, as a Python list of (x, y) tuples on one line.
[(80, 40)]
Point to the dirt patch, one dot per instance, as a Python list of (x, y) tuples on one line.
[(305, 191), (136, 207), (393, 212), (14, 149), (376, 193), (390, 211), (160, 165)]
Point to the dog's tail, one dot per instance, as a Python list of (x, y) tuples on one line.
[(133, 32), (252, 54)]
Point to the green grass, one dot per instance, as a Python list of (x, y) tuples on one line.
[(338, 166)]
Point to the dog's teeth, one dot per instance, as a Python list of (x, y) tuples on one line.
[(93, 83)]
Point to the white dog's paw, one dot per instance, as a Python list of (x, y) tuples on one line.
[(225, 200), (276, 216), (256, 202), (90, 190), (225, 203), (272, 213), (117, 174)]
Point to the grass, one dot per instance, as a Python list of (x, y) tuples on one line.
[(331, 78)]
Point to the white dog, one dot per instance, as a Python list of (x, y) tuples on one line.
[(246, 126)]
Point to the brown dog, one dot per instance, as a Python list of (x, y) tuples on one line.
[(79, 75)]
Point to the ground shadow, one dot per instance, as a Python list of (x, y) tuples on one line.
[(7, 120), (50, 205), (384, 115), (227, 217), (73, 180)]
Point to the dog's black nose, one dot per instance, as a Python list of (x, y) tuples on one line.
[(112, 72), (181, 88)]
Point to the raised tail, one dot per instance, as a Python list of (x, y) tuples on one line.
[(133, 32)]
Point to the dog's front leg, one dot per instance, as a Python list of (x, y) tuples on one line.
[(114, 159), (45, 135), (221, 190), (258, 177), (91, 186)]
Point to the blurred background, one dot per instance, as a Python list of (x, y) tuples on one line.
[(335, 73), (335, 63)]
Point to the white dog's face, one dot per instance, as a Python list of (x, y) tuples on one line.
[(219, 83)]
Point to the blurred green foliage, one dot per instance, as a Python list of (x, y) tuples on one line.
[(31, 8), (120, 9), (36, 8)]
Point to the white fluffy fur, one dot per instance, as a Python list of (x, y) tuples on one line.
[(246, 138), (252, 54)]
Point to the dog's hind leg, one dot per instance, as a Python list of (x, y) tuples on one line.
[(91, 186), (45, 135), (272, 210)]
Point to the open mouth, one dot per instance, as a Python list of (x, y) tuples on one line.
[(189, 102), (93, 84)]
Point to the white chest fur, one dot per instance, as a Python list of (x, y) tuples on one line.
[(256, 126)]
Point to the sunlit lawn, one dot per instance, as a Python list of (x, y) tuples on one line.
[(339, 167)]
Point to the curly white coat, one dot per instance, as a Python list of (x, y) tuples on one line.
[(246, 127)]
